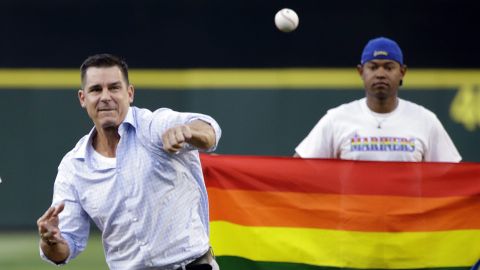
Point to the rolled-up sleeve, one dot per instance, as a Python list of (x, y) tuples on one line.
[(164, 119), (213, 124)]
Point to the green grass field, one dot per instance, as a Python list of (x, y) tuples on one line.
[(19, 251)]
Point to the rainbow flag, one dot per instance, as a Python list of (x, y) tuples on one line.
[(276, 213)]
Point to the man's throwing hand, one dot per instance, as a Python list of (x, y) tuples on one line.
[(48, 226)]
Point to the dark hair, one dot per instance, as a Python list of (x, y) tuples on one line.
[(104, 60)]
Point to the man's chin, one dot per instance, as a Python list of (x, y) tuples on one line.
[(108, 124), (381, 96), (378, 95), (380, 92)]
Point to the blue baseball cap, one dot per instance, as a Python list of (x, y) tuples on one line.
[(382, 48)]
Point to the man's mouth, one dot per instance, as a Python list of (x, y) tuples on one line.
[(380, 84)]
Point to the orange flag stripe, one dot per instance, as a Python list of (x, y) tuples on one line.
[(371, 213)]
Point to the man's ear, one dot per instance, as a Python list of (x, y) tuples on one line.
[(360, 70), (81, 98), (403, 70), (131, 93)]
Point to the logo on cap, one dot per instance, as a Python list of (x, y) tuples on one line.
[(377, 53)]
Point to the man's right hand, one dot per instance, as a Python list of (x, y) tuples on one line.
[(53, 245)]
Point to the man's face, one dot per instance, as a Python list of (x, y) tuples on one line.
[(106, 96), (381, 78)]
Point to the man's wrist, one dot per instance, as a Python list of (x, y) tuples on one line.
[(49, 242), (46, 238)]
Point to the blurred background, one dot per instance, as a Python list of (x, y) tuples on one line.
[(266, 88)]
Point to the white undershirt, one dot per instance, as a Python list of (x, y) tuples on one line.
[(107, 162)]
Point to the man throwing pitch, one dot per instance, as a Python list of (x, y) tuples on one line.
[(137, 175)]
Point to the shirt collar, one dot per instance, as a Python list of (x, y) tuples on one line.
[(83, 147), (129, 118)]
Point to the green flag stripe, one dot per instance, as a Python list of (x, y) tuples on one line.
[(238, 263)]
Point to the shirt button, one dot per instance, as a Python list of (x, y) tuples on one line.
[(135, 219)]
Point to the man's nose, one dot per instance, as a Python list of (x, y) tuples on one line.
[(105, 94), (381, 73)]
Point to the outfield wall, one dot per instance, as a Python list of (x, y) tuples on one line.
[(261, 112)]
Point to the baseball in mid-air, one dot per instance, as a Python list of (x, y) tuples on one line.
[(286, 20)]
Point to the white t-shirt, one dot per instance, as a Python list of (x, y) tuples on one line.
[(352, 131), (103, 161)]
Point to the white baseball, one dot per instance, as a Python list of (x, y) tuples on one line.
[(286, 20)]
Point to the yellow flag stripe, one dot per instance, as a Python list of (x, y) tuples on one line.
[(345, 248), (287, 78)]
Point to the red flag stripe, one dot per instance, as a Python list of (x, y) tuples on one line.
[(341, 177)]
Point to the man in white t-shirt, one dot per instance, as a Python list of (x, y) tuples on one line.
[(380, 126)]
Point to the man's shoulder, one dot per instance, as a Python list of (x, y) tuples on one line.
[(140, 113), (348, 108), (78, 148), (76, 153), (149, 123), (146, 114), (416, 109)]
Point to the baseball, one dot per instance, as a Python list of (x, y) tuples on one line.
[(286, 20)]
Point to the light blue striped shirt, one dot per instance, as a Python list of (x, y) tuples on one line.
[(150, 205)]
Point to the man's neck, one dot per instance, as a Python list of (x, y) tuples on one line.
[(105, 141), (382, 106)]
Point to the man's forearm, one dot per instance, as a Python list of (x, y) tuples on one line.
[(203, 135)]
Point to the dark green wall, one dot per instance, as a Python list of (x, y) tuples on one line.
[(40, 126)]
